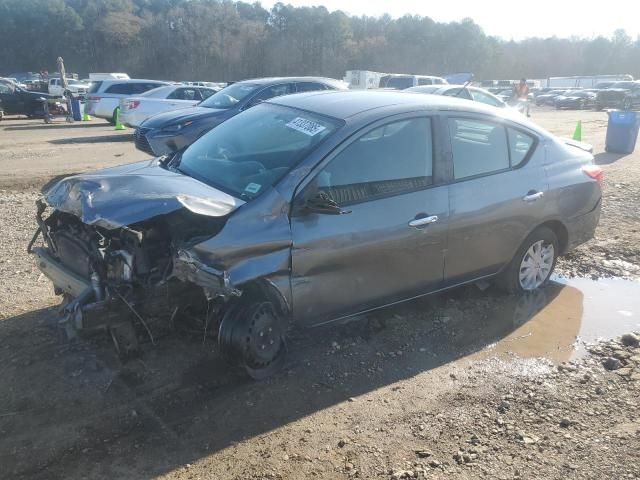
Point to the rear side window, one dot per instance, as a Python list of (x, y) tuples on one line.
[(400, 83), (425, 81), (309, 86), (95, 87), (389, 160), (206, 92), (478, 147), (131, 88), (459, 93), (520, 145), (484, 98), (185, 94)]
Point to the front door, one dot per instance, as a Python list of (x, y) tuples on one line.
[(11, 100), (497, 196), (388, 244)]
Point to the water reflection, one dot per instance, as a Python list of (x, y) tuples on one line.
[(557, 321)]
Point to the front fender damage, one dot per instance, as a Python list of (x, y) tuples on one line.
[(216, 283)]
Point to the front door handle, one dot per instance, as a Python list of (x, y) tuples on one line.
[(421, 222), (533, 196)]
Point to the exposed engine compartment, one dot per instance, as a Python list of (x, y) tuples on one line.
[(136, 255), (126, 273)]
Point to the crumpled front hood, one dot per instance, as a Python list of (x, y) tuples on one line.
[(182, 115), (128, 194)]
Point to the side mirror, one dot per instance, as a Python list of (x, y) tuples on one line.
[(321, 203)]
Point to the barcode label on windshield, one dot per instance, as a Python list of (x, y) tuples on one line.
[(308, 127)]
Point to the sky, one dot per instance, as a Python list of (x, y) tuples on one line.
[(502, 18)]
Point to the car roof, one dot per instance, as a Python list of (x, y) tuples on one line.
[(132, 80), (275, 80), (346, 104)]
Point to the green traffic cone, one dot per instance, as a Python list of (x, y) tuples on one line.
[(577, 135), (119, 126), (85, 116)]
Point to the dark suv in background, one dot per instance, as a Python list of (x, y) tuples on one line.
[(171, 131), (624, 95)]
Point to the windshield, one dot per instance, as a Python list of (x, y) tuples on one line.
[(252, 151), (230, 96)]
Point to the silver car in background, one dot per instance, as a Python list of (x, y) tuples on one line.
[(104, 96), (135, 110), (316, 207)]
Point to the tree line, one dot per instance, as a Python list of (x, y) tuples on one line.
[(225, 40)]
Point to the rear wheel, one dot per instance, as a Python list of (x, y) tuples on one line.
[(533, 263)]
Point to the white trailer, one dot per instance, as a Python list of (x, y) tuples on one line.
[(363, 79)]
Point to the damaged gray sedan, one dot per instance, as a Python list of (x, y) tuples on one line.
[(312, 208)]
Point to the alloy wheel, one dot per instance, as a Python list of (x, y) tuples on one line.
[(536, 265)]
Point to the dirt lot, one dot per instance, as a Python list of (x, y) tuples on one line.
[(469, 384)]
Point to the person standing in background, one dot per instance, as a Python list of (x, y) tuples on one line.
[(522, 95)]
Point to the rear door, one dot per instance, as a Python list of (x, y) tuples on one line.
[(497, 195), (388, 245)]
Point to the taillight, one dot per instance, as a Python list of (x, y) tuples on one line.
[(594, 172), (131, 104)]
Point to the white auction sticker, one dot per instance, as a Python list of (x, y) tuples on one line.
[(308, 127), (252, 188)]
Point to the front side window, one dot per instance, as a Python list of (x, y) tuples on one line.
[(425, 81), (389, 160), (478, 147), (230, 96), (272, 92), (252, 151)]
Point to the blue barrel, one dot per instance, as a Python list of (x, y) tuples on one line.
[(75, 109), (622, 131)]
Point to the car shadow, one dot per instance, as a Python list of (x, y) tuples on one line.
[(607, 158), (124, 137), (70, 408)]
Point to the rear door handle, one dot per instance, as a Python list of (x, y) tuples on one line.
[(421, 222), (532, 197)]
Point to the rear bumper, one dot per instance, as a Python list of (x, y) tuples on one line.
[(132, 119), (583, 228)]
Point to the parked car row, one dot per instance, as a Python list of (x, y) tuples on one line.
[(621, 95), (170, 131)]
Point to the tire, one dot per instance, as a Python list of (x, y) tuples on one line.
[(514, 279), (627, 104), (599, 107), (112, 120), (252, 333)]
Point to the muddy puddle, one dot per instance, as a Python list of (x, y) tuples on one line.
[(558, 321)]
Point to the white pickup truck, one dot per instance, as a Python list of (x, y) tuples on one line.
[(76, 87)]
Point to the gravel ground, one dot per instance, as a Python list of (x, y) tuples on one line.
[(468, 384)]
